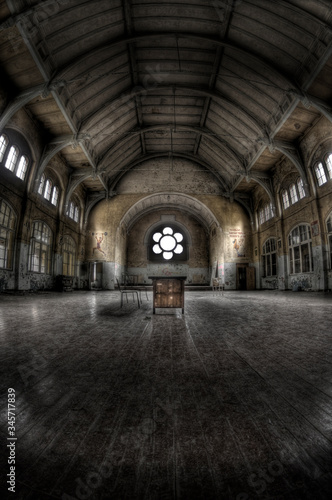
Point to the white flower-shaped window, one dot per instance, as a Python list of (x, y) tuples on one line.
[(167, 243)]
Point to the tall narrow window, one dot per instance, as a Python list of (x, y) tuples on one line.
[(68, 256), (300, 250), (320, 174), (71, 210), (329, 237), (7, 235), (269, 255), (300, 188), (55, 196), (329, 165), (22, 167), (76, 213), (48, 190), (41, 184), (285, 199), (3, 146), (40, 248), (293, 193), (12, 158)]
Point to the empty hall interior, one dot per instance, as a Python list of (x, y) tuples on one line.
[(166, 249)]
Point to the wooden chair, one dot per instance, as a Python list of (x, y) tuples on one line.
[(217, 285), (131, 283), (125, 291)]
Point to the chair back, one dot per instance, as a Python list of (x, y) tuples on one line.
[(119, 286)]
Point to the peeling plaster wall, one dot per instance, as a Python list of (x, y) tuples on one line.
[(226, 242), (197, 266)]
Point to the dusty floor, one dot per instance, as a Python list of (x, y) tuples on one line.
[(232, 400)]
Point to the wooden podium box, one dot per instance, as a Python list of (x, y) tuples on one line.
[(168, 292)]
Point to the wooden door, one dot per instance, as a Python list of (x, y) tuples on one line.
[(250, 277), (241, 276)]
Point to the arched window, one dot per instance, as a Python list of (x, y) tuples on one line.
[(269, 257), (68, 256), (40, 248), (292, 193), (12, 158), (168, 243), (300, 250), (48, 190), (3, 146), (329, 237), (285, 199), (73, 212), (55, 196), (328, 161), (320, 174), (41, 184), (265, 213), (15, 153), (300, 188), (22, 167), (7, 235)]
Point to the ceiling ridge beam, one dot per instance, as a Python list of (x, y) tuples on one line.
[(197, 37), (204, 132), (125, 97)]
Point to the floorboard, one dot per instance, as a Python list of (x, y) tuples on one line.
[(232, 400)]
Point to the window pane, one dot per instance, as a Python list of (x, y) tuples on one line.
[(297, 260), (3, 146), (12, 158), (329, 224), (71, 210), (22, 167), (41, 184), (268, 265), (40, 248), (76, 213), (293, 193), (330, 245), (329, 165), (48, 190), (320, 174), (304, 233), (295, 236), (285, 199), (273, 245), (305, 258), (55, 195), (300, 187), (291, 262), (274, 264), (7, 235)]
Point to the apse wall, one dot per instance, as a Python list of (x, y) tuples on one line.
[(220, 236)]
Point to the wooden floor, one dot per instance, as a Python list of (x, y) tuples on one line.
[(232, 400)]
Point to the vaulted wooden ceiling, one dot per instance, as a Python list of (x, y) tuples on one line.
[(230, 84)]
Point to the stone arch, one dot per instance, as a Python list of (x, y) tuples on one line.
[(170, 200)]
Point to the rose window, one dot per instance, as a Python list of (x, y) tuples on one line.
[(167, 243)]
